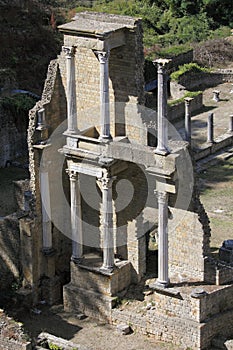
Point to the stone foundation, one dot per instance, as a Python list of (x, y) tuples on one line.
[(188, 316), (93, 292)]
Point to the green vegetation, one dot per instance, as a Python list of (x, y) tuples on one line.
[(191, 94), (173, 23), (54, 347), (188, 67), (18, 104)]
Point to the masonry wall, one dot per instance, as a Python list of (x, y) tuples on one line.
[(167, 320), (13, 136), (182, 319), (186, 245), (126, 83), (55, 267), (194, 81), (10, 267)]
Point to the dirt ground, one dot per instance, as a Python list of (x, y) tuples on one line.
[(93, 334), (216, 185)]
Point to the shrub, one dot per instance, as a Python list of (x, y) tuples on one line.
[(188, 67)]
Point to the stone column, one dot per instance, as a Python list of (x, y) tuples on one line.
[(107, 224), (103, 58), (231, 123), (76, 218), (210, 128), (187, 119), (162, 123), (162, 280), (47, 245), (71, 94), (216, 95)]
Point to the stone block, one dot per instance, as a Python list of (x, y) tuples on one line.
[(123, 329), (93, 279), (88, 302)]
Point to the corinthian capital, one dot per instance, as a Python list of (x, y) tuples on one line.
[(69, 51), (103, 56), (106, 182), (72, 174)]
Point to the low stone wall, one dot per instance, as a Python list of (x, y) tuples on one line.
[(217, 272), (185, 320), (221, 142), (195, 81), (177, 111), (168, 320)]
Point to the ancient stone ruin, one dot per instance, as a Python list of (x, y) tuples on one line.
[(105, 173)]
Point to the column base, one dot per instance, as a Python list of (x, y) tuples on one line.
[(48, 251), (107, 270), (77, 261), (161, 284), (162, 152), (104, 138)]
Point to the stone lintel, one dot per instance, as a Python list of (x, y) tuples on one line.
[(80, 153), (86, 169)]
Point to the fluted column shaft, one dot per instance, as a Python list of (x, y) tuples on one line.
[(107, 224), (163, 279), (162, 124), (76, 218), (103, 58), (71, 92)]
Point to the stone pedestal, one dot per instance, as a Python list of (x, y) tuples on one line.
[(93, 292)]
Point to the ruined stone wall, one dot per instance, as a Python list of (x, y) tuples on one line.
[(13, 136), (186, 244), (195, 81), (21, 194), (54, 102), (10, 265), (182, 319), (169, 319)]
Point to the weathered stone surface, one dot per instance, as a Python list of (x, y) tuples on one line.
[(123, 329)]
